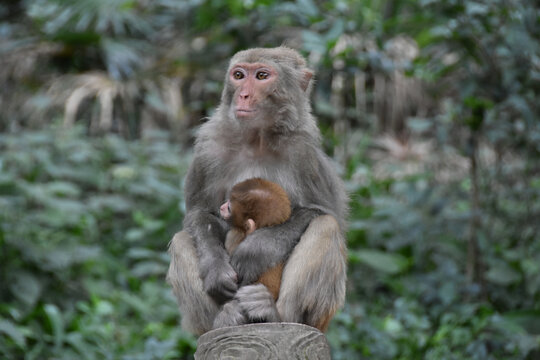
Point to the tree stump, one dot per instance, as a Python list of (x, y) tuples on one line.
[(263, 341)]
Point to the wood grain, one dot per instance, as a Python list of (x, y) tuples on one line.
[(263, 341)]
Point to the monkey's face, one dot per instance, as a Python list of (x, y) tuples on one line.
[(252, 84), (267, 89), (225, 210), (232, 212)]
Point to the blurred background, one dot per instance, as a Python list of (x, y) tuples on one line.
[(430, 109)]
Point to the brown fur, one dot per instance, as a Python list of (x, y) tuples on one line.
[(267, 204), (272, 280), (261, 200)]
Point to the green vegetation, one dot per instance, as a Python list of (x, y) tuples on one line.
[(429, 108), (85, 224)]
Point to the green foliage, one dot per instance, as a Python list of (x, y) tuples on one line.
[(408, 294), (84, 230)]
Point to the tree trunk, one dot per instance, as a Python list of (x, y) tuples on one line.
[(474, 261), (263, 341)]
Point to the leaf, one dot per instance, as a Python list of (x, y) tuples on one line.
[(392, 326), (140, 253), (149, 268), (63, 189), (64, 257), (9, 329), (66, 206), (124, 172), (502, 274), (476, 8), (83, 253), (115, 203), (383, 262), (104, 308), (56, 322), (313, 42), (7, 183), (77, 341), (26, 287), (527, 319), (308, 8), (358, 225), (135, 234), (336, 30)]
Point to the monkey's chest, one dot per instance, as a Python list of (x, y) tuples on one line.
[(243, 168)]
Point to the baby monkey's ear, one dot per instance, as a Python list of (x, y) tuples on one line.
[(249, 226)]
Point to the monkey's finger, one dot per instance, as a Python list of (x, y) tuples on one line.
[(229, 284), (230, 315), (223, 287), (253, 292), (254, 296), (223, 294)]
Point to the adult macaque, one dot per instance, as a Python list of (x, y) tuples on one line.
[(262, 128), (256, 203)]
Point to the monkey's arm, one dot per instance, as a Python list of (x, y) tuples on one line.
[(208, 231), (233, 239), (270, 246)]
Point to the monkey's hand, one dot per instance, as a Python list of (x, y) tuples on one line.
[(257, 303), (220, 281), (270, 246), (230, 315)]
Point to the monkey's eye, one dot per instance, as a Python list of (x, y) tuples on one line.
[(262, 75), (238, 75), (229, 207)]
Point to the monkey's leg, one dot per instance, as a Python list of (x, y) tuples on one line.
[(197, 308), (272, 280), (313, 281)]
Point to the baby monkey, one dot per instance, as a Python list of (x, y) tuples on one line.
[(256, 203)]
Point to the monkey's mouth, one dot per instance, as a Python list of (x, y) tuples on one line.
[(242, 112)]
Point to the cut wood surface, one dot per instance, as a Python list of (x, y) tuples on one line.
[(263, 341)]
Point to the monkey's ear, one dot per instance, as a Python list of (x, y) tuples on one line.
[(308, 74), (250, 226)]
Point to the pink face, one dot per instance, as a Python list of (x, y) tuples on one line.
[(252, 82), (225, 210)]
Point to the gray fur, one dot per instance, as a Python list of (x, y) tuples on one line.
[(322, 236), (257, 303), (184, 277), (231, 314), (281, 145)]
